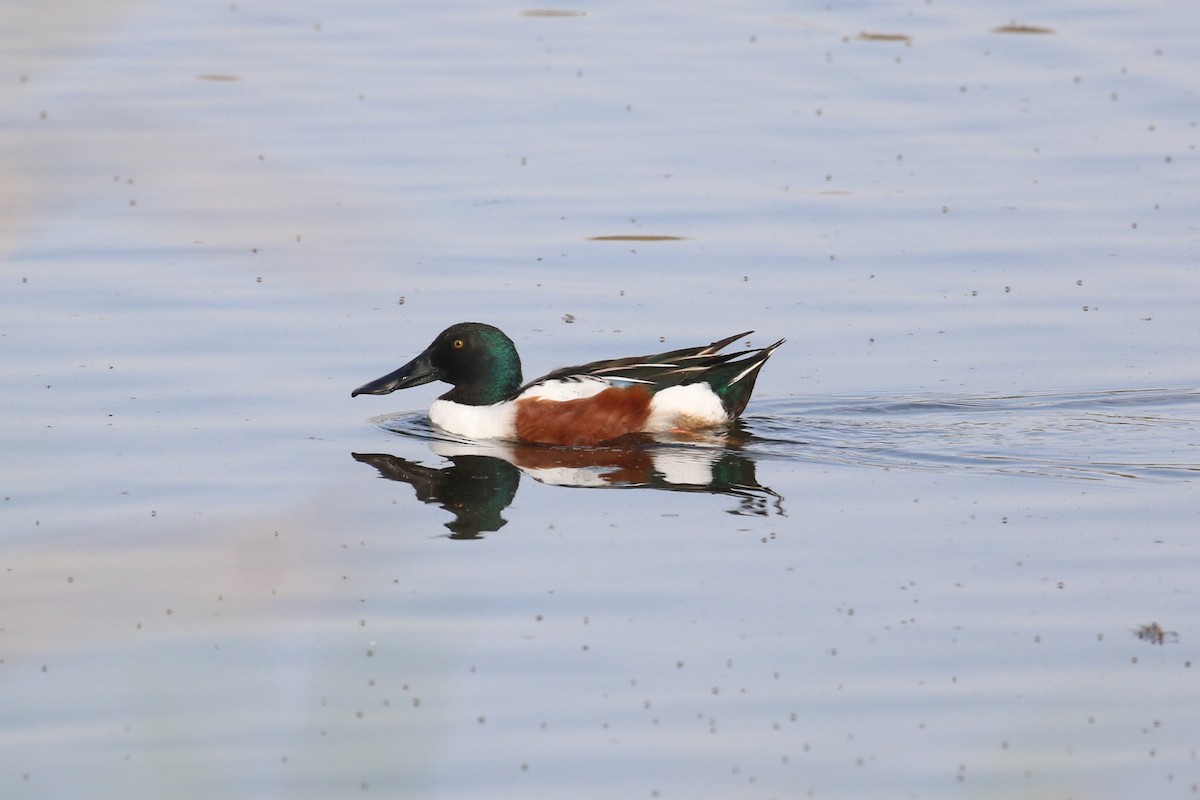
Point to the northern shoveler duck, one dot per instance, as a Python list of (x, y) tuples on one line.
[(680, 390)]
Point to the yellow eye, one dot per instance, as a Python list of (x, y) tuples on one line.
[(457, 344)]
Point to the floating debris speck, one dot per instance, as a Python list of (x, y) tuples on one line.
[(1015, 28), (636, 237), (867, 36), (1154, 634)]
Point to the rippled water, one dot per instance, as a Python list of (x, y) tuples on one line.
[(1106, 435), (950, 550)]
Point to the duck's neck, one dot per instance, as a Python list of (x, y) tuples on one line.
[(503, 383)]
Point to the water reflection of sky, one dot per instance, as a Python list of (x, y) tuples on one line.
[(964, 487)]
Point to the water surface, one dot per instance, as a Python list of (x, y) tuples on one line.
[(918, 567)]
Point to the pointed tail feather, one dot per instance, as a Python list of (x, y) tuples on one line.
[(734, 382)]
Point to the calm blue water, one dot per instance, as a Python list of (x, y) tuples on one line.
[(920, 565)]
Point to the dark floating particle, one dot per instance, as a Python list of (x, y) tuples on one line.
[(1154, 634), (636, 238), (867, 36), (1013, 27)]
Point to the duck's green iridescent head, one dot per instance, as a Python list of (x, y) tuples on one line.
[(478, 360)]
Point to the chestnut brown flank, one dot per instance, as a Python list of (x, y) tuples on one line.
[(612, 413)]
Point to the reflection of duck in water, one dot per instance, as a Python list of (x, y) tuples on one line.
[(474, 488), (680, 390), (482, 481)]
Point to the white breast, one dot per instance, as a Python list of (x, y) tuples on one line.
[(497, 421)]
